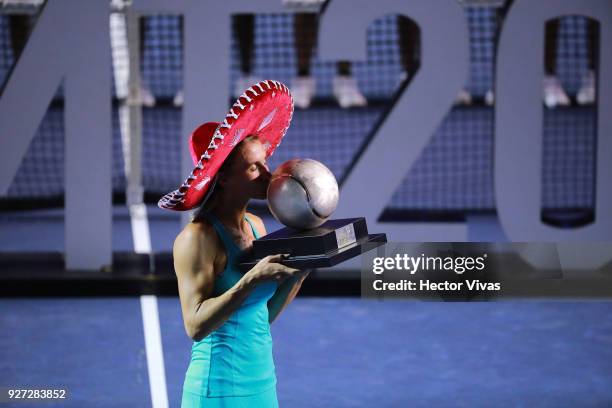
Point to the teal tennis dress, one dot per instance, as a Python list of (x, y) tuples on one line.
[(233, 366)]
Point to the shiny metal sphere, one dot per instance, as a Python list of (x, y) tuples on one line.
[(302, 193)]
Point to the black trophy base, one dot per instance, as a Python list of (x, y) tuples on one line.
[(330, 244)]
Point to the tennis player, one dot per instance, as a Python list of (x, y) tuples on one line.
[(228, 313)]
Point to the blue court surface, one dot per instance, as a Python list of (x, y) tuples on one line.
[(329, 352)]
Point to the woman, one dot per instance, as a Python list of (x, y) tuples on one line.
[(228, 313)]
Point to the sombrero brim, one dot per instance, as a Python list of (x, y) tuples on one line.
[(265, 109)]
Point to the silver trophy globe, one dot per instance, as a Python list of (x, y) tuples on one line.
[(302, 193)]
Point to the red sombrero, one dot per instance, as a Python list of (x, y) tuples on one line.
[(265, 109)]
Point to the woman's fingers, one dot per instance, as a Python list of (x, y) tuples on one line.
[(277, 258), (279, 271)]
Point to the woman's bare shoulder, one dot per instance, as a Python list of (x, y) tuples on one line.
[(196, 235), (258, 223)]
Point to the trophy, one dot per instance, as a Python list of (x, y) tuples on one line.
[(302, 195)]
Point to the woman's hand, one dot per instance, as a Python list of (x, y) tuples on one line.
[(270, 268)]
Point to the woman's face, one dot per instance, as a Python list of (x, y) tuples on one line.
[(248, 173)]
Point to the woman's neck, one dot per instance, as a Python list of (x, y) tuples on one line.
[(231, 212)]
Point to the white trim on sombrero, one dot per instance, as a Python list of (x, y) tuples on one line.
[(172, 199)]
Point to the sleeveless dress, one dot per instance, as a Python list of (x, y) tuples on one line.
[(233, 366)]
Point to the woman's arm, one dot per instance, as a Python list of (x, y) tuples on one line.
[(288, 289), (194, 253), (284, 295)]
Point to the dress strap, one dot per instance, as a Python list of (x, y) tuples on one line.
[(255, 234)]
